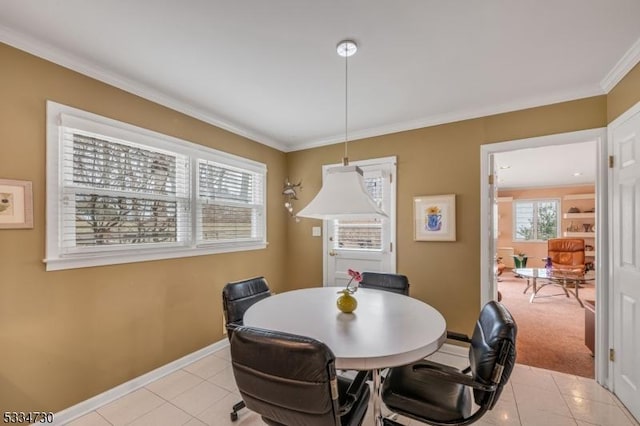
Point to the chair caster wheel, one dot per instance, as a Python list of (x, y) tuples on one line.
[(233, 416)]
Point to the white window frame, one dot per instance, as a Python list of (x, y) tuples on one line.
[(536, 201), (384, 234), (58, 259), (389, 164)]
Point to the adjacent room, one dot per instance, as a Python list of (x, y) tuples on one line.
[(544, 194), (202, 203)]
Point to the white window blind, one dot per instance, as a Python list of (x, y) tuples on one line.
[(230, 204), (117, 193), (362, 234), (535, 220)]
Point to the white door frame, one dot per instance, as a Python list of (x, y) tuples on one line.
[(487, 288), (392, 213)]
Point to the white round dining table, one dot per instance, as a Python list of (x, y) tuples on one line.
[(385, 330)]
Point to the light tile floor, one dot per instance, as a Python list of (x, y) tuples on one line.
[(203, 393)]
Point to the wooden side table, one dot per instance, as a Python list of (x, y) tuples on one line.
[(590, 324)]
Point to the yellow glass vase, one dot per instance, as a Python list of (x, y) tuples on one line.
[(346, 302)]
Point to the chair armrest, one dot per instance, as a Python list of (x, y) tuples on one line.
[(354, 391), (452, 377), (458, 336), (233, 325)]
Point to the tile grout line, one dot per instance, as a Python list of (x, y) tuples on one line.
[(562, 396), (191, 416)]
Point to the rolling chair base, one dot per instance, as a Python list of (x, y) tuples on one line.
[(236, 407)]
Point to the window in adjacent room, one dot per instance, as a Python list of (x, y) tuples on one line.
[(118, 193), (535, 220)]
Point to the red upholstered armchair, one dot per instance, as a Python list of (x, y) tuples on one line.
[(566, 253)]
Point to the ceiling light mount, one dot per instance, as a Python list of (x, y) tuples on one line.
[(343, 194), (347, 48)]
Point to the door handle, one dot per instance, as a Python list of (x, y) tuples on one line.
[(332, 253)]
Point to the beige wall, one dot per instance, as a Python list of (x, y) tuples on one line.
[(68, 335), (435, 160), (537, 251), (624, 95)]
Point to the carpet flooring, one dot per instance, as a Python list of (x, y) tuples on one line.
[(551, 329)]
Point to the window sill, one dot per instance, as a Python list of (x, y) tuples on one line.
[(102, 259)]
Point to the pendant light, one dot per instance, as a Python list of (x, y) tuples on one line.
[(343, 194)]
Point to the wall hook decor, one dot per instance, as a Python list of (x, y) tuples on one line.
[(290, 192)]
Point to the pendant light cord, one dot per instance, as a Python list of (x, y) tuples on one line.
[(345, 160)]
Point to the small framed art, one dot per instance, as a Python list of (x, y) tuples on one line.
[(16, 204), (434, 218)]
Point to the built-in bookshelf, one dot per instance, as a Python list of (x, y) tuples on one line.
[(582, 224)]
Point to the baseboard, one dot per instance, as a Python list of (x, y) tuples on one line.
[(455, 350), (67, 415)]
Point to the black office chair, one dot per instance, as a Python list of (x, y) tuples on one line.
[(441, 395), (291, 380), (394, 283), (237, 297)]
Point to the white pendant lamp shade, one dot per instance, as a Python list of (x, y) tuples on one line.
[(343, 196)]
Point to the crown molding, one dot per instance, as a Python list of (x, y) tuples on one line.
[(58, 56), (622, 67), (50, 53), (435, 120)]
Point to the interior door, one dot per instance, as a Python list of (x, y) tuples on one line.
[(493, 221), (625, 249), (364, 245)]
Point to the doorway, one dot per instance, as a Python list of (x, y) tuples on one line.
[(489, 209), (364, 245), (536, 204)]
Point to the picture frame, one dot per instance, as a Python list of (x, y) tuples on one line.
[(434, 217), (16, 204)]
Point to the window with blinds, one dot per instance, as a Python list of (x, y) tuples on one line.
[(361, 234), (117, 193), (230, 203), (535, 220)]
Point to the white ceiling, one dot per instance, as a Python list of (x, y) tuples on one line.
[(269, 70), (564, 165)]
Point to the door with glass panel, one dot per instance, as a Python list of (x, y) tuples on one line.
[(364, 245)]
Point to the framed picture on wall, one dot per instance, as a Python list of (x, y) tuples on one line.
[(434, 218), (16, 204)]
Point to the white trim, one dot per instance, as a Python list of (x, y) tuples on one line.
[(67, 60), (74, 117), (435, 120), (487, 288), (93, 70), (455, 350), (56, 259), (622, 67), (58, 56), (69, 414), (57, 264), (391, 161), (602, 365)]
